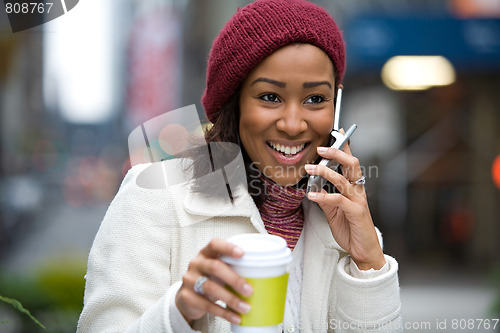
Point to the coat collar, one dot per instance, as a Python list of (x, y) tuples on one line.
[(225, 192), (199, 206), (218, 203), (203, 206), (194, 206)]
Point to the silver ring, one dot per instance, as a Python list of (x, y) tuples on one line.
[(360, 181), (198, 285)]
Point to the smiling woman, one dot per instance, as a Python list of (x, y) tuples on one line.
[(271, 79), (286, 111)]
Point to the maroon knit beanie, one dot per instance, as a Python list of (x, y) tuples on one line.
[(256, 31)]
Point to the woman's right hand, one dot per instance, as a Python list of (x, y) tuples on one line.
[(193, 305)]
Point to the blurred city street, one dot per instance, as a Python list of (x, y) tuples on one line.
[(446, 301), (74, 87), (62, 230), (448, 308)]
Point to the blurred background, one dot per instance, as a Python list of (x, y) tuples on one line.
[(422, 83)]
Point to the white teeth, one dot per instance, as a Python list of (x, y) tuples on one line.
[(287, 150)]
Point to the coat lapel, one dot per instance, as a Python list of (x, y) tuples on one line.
[(199, 206)]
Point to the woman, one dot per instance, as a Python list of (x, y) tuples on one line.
[(154, 266)]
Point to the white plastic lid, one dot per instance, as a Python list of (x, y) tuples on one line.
[(261, 250)]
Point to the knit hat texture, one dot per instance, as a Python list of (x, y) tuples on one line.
[(257, 30)]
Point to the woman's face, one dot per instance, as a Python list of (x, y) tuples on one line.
[(286, 111)]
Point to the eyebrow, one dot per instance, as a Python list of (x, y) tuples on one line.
[(315, 84), (271, 81), (280, 84)]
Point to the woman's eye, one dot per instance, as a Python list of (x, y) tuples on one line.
[(316, 99), (270, 98)]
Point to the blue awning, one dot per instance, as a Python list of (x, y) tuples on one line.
[(470, 45)]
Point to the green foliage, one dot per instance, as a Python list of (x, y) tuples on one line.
[(63, 284), (17, 305), (53, 293)]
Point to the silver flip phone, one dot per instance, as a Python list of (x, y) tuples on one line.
[(316, 183)]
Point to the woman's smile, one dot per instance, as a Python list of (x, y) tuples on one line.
[(288, 153)]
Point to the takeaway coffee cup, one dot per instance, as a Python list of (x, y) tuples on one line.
[(265, 266)]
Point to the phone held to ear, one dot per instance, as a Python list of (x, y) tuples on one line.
[(316, 183)]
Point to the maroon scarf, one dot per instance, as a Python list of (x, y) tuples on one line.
[(282, 211)]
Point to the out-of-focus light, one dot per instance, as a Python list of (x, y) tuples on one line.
[(173, 138), (78, 63), (495, 171), (475, 8), (417, 72)]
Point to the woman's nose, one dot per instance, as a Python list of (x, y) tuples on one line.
[(292, 120)]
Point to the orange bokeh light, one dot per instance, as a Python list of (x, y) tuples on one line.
[(495, 171), (173, 139)]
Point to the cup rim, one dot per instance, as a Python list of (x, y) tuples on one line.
[(256, 254)]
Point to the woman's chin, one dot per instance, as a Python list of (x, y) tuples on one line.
[(286, 181)]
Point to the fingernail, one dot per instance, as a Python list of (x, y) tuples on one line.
[(310, 167), (247, 289), (237, 251), (322, 149), (244, 307), (235, 319), (312, 195)]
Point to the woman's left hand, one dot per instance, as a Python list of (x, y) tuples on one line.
[(347, 212)]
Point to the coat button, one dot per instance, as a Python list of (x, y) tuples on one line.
[(290, 329)]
